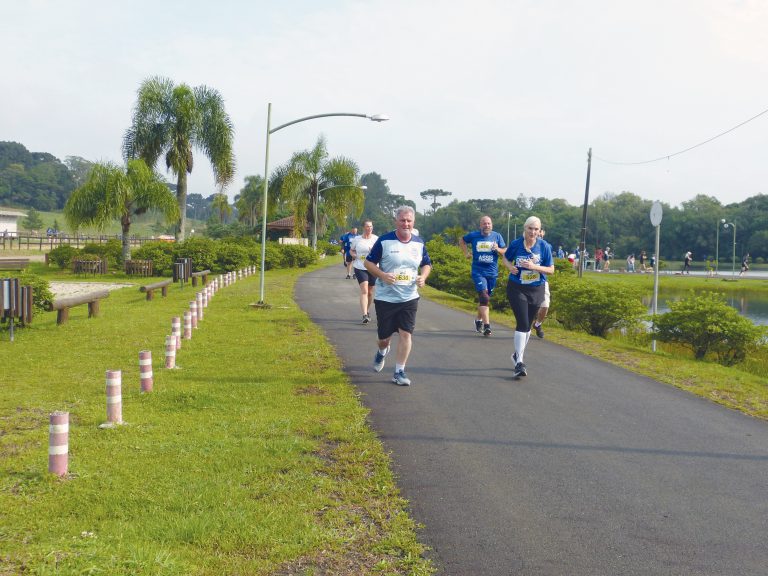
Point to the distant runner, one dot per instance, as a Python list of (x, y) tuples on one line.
[(360, 246)]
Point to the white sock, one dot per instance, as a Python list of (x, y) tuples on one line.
[(399, 367), (384, 350), (520, 341)]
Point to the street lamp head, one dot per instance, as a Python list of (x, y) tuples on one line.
[(363, 187), (722, 221), (378, 117)]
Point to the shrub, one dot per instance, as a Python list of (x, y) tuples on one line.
[(63, 255), (42, 294), (706, 324), (273, 256), (325, 247), (112, 251), (297, 255), (231, 256), (582, 304), (161, 254), (202, 251)]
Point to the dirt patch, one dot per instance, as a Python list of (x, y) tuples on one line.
[(63, 289)]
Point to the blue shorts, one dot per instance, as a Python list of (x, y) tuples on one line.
[(484, 282)]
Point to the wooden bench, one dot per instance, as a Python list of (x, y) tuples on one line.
[(14, 264), (62, 305), (138, 267), (162, 285), (202, 274)]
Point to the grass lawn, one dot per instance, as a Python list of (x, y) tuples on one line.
[(254, 457)]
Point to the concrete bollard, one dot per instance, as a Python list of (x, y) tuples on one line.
[(176, 330), (58, 443), (193, 311), (204, 296), (114, 396), (170, 351), (145, 370), (187, 325), (199, 300)]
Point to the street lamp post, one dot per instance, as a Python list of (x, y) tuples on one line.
[(733, 257), (270, 130), (717, 247), (509, 215)]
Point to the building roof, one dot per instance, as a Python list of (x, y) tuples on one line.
[(283, 224)]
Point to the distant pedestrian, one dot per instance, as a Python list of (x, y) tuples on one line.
[(643, 260), (346, 242), (744, 264), (607, 256), (529, 259), (560, 252), (687, 259), (400, 263), (631, 263), (360, 246), (483, 246), (541, 315)]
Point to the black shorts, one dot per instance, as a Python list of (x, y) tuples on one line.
[(348, 258), (365, 276), (394, 316)]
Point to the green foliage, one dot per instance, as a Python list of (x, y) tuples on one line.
[(450, 269), (325, 247), (295, 255), (161, 254), (273, 256), (42, 294), (706, 324), (112, 251), (581, 304), (231, 256), (215, 229), (63, 255), (34, 179), (202, 251)]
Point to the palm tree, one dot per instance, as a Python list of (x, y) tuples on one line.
[(220, 202), (248, 202), (310, 178), (112, 192), (173, 120)]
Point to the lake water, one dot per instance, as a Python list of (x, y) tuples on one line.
[(749, 304)]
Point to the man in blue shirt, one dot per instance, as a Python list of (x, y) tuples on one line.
[(486, 247), (346, 244), (400, 263)]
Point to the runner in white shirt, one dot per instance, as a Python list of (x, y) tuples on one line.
[(359, 248)]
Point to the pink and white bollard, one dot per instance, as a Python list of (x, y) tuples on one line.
[(187, 325), (176, 330), (204, 295), (199, 300), (170, 351), (114, 397), (193, 311), (58, 443), (145, 370)]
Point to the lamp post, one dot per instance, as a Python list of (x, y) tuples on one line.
[(509, 215), (733, 257), (317, 200), (270, 130), (717, 247)]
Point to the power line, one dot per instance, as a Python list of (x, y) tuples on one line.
[(668, 156)]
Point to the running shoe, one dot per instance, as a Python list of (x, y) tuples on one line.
[(539, 331), (401, 379), (348, 277), (514, 358), (378, 360), (487, 330), (520, 370), (366, 318), (479, 326)]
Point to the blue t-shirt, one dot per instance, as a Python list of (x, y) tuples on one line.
[(346, 241), (484, 256), (540, 253), (402, 258)]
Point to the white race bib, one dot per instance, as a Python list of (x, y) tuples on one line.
[(405, 276)]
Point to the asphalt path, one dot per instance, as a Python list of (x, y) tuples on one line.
[(582, 468)]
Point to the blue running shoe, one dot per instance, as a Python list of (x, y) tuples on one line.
[(401, 379), (478, 325), (378, 360)]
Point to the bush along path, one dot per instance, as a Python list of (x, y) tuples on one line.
[(237, 448)]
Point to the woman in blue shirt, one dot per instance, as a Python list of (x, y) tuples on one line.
[(529, 260)]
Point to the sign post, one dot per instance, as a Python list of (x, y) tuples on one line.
[(656, 213)]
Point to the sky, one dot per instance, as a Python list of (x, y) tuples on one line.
[(486, 99)]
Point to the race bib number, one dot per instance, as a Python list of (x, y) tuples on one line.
[(485, 258), (529, 276), (405, 276), (484, 246)]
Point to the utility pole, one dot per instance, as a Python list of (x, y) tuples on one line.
[(582, 243)]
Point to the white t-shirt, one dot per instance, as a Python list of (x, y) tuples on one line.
[(362, 246)]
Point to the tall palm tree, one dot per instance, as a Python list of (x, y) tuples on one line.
[(112, 192), (248, 202), (174, 120), (311, 178), (220, 203)]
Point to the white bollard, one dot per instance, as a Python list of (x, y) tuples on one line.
[(114, 396), (145, 370), (58, 443), (170, 351)]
